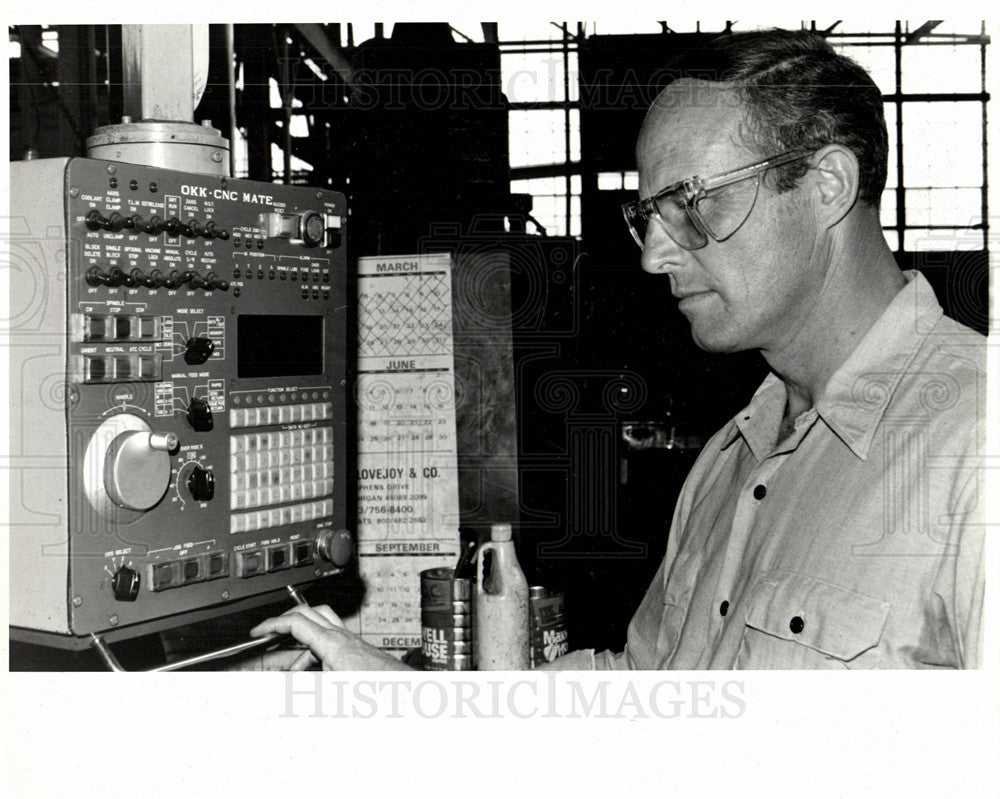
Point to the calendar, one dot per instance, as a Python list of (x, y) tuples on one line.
[(407, 443)]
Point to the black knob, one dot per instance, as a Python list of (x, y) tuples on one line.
[(201, 484), (199, 415), (173, 226), (200, 282), (125, 584), (336, 547), (95, 220), (198, 350), (192, 229)]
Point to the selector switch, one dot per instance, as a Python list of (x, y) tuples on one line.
[(198, 350), (125, 584), (201, 484), (199, 415)]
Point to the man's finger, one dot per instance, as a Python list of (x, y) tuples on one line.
[(305, 630), (300, 610), (327, 613), (303, 661)]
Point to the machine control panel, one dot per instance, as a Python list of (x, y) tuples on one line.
[(203, 323)]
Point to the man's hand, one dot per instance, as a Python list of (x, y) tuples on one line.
[(329, 642)]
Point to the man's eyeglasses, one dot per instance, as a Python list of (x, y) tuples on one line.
[(695, 209)]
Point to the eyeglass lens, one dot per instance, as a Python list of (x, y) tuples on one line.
[(718, 212)]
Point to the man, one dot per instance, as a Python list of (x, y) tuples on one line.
[(836, 521)]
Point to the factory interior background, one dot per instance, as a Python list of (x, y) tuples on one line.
[(518, 138)]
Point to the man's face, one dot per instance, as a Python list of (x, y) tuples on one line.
[(755, 289)]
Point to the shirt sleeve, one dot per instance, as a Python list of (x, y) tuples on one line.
[(960, 581)]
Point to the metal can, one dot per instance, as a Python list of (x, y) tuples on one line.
[(549, 633), (447, 624)]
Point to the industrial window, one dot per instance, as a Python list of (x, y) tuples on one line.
[(539, 75), (933, 81)]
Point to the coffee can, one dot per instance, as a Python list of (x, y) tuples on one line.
[(549, 633), (447, 624)]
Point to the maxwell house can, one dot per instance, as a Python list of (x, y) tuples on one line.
[(549, 632), (447, 624)]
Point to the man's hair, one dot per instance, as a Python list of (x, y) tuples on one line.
[(799, 94)]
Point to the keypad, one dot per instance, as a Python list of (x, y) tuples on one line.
[(280, 414), (281, 466), (276, 517)]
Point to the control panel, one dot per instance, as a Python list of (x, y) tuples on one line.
[(195, 455)]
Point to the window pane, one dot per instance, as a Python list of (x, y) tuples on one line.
[(549, 203), (574, 215), (532, 77), (574, 134), (887, 209), (537, 137), (943, 206), (942, 144), (609, 181), (892, 239), (918, 240), (539, 186), (622, 24), (573, 78), (879, 61), (940, 68)]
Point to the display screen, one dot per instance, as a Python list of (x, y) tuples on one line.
[(278, 346)]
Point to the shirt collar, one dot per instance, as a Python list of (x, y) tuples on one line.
[(858, 393)]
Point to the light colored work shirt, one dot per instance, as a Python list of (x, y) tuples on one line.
[(855, 542)]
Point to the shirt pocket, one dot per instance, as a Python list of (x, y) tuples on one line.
[(794, 610)]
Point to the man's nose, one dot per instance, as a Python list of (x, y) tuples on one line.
[(660, 253)]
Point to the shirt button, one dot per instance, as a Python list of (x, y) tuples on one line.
[(723, 608), (796, 625), (759, 492)]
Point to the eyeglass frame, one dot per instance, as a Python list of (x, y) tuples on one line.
[(696, 187)]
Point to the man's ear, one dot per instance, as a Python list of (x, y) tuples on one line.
[(836, 176)]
